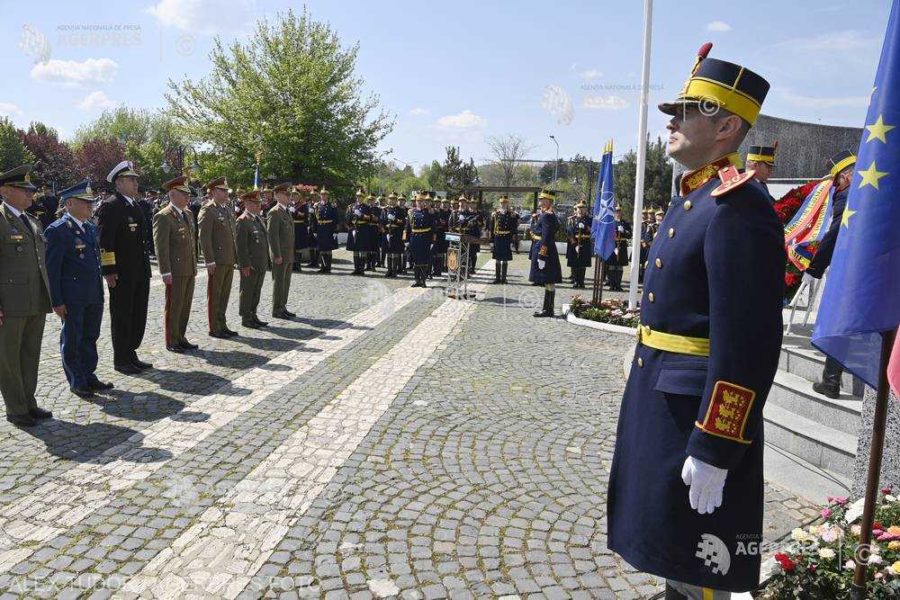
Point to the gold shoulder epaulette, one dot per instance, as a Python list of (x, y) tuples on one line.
[(732, 179)]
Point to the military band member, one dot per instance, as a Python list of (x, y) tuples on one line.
[(324, 223), (470, 224), (502, 231), (125, 262), (545, 267), (441, 215), (360, 215), (579, 235), (376, 258), (24, 299), (300, 213), (76, 288), (216, 225), (280, 229), (690, 435), (312, 200), (420, 233), (253, 259), (570, 248), (393, 221), (370, 234), (619, 260)]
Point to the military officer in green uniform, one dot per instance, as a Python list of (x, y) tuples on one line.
[(280, 227), (253, 259), (217, 242), (24, 299), (173, 237)]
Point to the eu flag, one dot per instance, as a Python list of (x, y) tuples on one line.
[(603, 226), (862, 295)]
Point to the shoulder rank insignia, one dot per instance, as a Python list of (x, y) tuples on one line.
[(731, 180), (728, 411)]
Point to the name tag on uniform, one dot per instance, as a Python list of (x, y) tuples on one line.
[(16, 238)]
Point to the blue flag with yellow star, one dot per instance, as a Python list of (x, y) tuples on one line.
[(603, 226), (862, 294)]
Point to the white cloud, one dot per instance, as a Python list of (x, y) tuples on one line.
[(464, 120), (207, 17), (419, 111), (605, 102), (9, 109), (591, 74), (96, 101), (720, 26), (823, 102), (72, 73), (837, 41)]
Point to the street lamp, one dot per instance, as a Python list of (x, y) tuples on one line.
[(556, 166)]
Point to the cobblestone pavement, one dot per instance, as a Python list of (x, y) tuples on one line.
[(387, 443)]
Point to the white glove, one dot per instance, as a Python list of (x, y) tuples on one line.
[(707, 483), (808, 279), (541, 264)]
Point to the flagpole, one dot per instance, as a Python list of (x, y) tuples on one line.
[(876, 451), (641, 158)]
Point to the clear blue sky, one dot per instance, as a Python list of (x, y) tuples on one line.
[(460, 72)]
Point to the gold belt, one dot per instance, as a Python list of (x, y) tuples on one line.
[(425, 230), (502, 232), (323, 222), (668, 342), (535, 237)]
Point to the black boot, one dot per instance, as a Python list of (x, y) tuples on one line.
[(323, 264), (328, 263), (548, 304), (497, 268), (503, 269), (830, 386)]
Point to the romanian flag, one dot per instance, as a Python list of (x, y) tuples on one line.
[(809, 224)]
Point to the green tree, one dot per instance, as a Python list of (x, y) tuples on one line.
[(458, 175), (657, 177), (288, 95), (12, 151)]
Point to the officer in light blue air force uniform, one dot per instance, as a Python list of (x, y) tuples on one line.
[(76, 290), (686, 484)]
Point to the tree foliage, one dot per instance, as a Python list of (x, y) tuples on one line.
[(95, 157), (12, 151), (657, 178), (54, 161), (457, 174), (508, 150), (288, 95)]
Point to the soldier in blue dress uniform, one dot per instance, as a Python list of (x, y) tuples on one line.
[(324, 223), (76, 288), (686, 484), (578, 233), (615, 267), (420, 233), (374, 229), (441, 215), (545, 267), (358, 221), (502, 229), (761, 160), (393, 222), (300, 214)]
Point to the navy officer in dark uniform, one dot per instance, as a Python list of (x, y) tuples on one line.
[(686, 484), (125, 262), (76, 288), (545, 267), (420, 233), (324, 223)]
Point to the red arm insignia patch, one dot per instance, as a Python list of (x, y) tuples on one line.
[(728, 411)]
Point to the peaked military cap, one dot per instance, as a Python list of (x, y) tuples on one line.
[(324, 192), (715, 84), (840, 161), (764, 154), (79, 191), (123, 169), (547, 195), (218, 182), (283, 187), (392, 196), (18, 177), (180, 184), (251, 196)]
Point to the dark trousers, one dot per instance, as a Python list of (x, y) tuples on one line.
[(128, 317), (20, 353), (78, 343), (831, 374)]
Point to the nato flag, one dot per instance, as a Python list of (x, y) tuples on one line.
[(604, 223), (862, 295)]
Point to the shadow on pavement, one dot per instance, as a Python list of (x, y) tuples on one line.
[(143, 406), (89, 443)]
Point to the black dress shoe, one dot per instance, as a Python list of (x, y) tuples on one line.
[(99, 386), (188, 346), (220, 335), (827, 390), (260, 323), (21, 420), (40, 413), (175, 349), (83, 393), (281, 315), (289, 313), (127, 369), (143, 366), (249, 325), (229, 332)]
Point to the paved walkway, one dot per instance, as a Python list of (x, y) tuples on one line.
[(387, 443)]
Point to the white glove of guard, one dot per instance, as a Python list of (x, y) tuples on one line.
[(541, 264), (808, 279), (707, 483)]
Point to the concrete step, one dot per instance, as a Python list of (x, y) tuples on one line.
[(801, 477), (795, 394), (800, 358), (814, 442)]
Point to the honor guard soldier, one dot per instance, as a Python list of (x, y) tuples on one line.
[(545, 267), (570, 248), (125, 263), (216, 224), (312, 199), (359, 215), (173, 235), (324, 223), (76, 288), (761, 160), (420, 233), (619, 260), (503, 229), (300, 214), (686, 482), (24, 299), (375, 258), (370, 234), (393, 221), (280, 229), (470, 224), (441, 215), (253, 259), (349, 219), (403, 210), (841, 166), (579, 234)]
